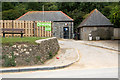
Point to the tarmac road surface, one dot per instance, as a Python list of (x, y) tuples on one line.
[(86, 73)]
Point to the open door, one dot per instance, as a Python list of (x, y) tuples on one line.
[(66, 32)]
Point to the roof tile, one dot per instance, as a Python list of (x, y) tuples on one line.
[(45, 16), (95, 18)]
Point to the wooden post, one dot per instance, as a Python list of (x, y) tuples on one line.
[(69, 30), (21, 34), (51, 32), (29, 28), (38, 31), (12, 28), (34, 28), (72, 30), (3, 34)]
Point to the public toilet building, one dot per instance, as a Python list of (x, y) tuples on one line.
[(62, 24), (96, 25)]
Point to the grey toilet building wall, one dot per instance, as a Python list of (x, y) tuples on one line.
[(102, 32), (58, 29)]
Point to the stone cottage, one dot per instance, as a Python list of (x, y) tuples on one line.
[(95, 25), (62, 24)]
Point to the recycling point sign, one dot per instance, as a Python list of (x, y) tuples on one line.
[(47, 25)]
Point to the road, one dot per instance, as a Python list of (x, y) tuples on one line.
[(94, 63), (87, 73), (91, 57)]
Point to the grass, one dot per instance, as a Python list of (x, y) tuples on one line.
[(12, 40)]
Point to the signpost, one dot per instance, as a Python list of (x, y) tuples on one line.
[(47, 25), (47, 28), (43, 24)]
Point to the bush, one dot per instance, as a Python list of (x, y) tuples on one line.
[(38, 58), (50, 55), (9, 62)]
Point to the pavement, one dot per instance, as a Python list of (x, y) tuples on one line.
[(65, 56), (94, 62), (108, 44)]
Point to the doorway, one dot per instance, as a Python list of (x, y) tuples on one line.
[(66, 32)]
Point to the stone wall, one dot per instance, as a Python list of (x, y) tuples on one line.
[(31, 54), (58, 29), (103, 32)]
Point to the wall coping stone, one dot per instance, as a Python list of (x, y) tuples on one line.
[(41, 40)]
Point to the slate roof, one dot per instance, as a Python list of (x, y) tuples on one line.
[(95, 18), (45, 16)]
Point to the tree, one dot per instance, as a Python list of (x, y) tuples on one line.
[(115, 15), (50, 6), (77, 16), (7, 6), (34, 6), (76, 10), (106, 10), (11, 14)]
